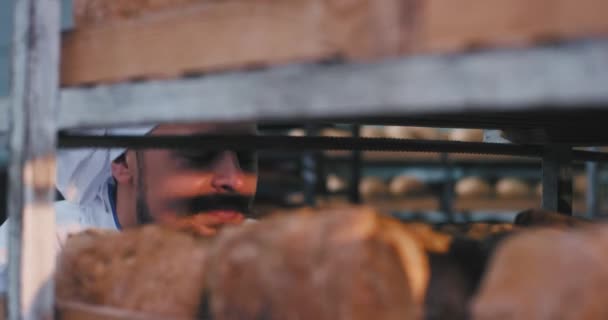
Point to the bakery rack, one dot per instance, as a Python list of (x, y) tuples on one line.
[(415, 64)]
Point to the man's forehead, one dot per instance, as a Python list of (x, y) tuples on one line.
[(204, 128)]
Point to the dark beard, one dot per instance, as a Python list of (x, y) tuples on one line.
[(143, 211), (141, 207)]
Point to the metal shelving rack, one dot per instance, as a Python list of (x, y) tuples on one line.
[(490, 89)]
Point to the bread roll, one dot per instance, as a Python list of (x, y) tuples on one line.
[(333, 132), (425, 133), (343, 264), (151, 269), (540, 217), (406, 185), (405, 132), (399, 132), (372, 132), (297, 132), (335, 183), (547, 274), (466, 135), (372, 187), (580, 184), (473, 187), (512, 188)]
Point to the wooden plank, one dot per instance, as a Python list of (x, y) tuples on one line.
[(32, 238), (96, 12), (123, 40), (218, 35), (450, 25)]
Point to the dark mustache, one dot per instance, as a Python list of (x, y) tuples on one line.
[(193, 206)]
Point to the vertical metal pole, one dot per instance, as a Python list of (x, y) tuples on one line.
[(353, 191), (34, 93), (446, 199), (592, 196), (309, 171), (557, 179)]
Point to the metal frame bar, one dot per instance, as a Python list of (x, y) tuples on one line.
[(557, 179), (446, 198), (35, 93), (566, 76), (287, 143), (310, 170), (356, 164), (593, 186)]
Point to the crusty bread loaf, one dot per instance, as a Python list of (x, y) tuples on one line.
[(399, 132), (425, 133), (372, 132), (472, 187), (547, 274), (335, 132), (335, 183), (297, 132), (406, 132), (466, 135), (512, 188), (150, 269), (372, 187), (336, 264), (540, 217), (406, 185)]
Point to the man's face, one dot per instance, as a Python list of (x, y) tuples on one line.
[(196, 189)]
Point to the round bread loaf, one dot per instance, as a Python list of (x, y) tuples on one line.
[(297, 132), (372, 187), (512, 188), (152, 269), (425, 133), (340, 264), (406, 185), (473, 187), (335, 183), (466, 135), (333, 132), (372, 132), (529, 276), (399, 132)]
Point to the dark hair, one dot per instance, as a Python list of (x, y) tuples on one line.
[(121, 159)]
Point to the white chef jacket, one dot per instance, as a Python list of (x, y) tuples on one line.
[(70, 218)]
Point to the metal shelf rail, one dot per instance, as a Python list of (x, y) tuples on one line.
[(453, 89)]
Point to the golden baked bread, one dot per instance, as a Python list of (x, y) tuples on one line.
[(335, 183), (509, 188), (545, 274), (336, 264), (406, 185), (472, 187), (545, 218), (372, 187), (372, 132), (466, 135), (150, 269)]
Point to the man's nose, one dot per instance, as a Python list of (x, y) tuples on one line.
[(227, 174)]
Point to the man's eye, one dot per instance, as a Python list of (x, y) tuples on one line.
[(199, 158), (247, 160)]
